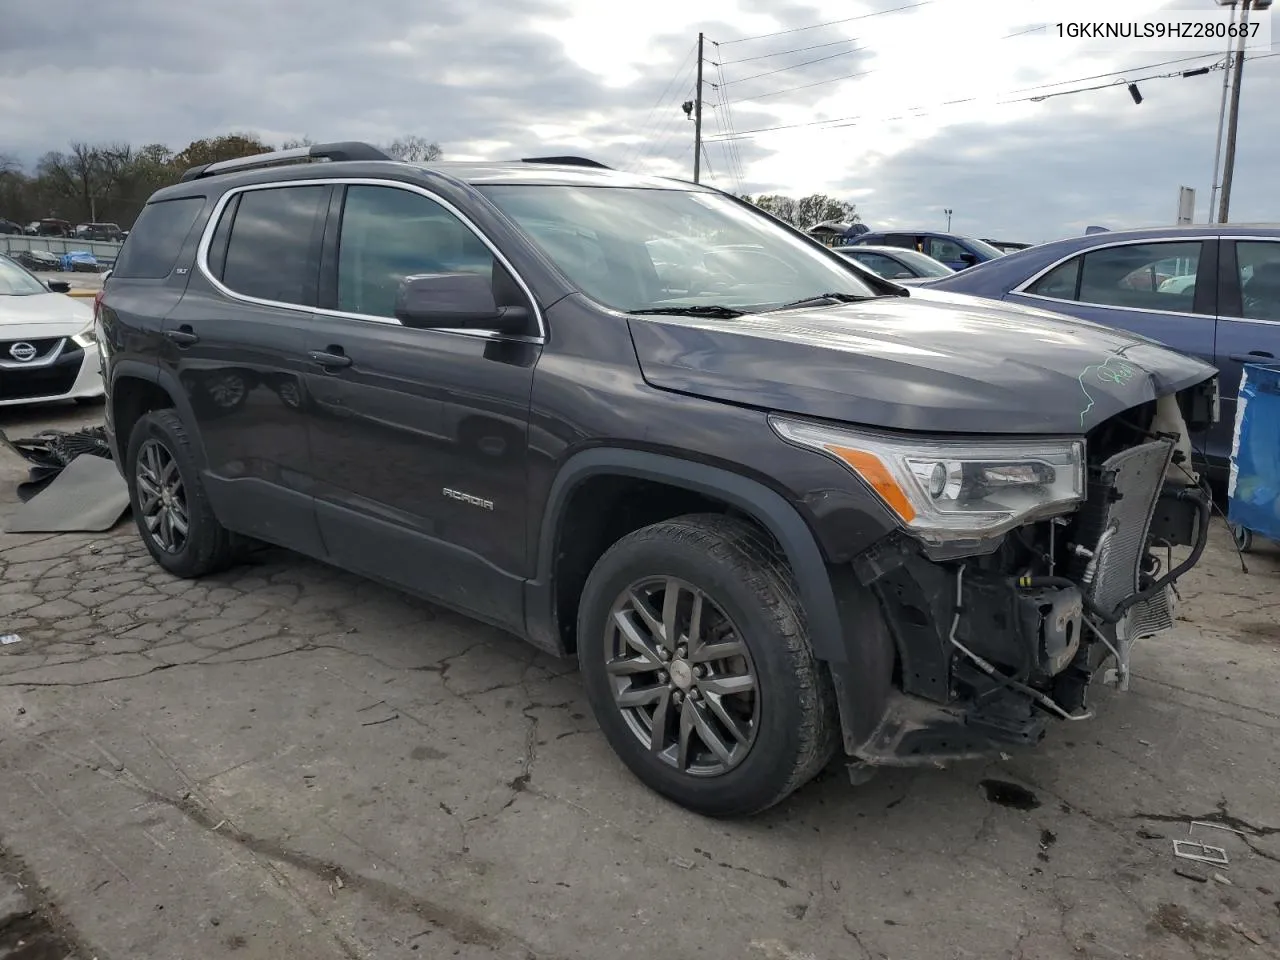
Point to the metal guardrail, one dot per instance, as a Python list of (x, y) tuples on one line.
[(101, 249)]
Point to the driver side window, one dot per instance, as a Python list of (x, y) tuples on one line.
[(389, 234)]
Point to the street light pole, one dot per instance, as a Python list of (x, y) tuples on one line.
[(1222, 116), (1229, 162), (947, 211)]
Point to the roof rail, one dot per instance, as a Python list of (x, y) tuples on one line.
[(346, 150), (568, 162)]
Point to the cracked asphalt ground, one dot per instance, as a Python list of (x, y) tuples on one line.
[(286, 761)]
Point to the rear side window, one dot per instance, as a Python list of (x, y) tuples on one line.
[(273, 249), (152, 249)]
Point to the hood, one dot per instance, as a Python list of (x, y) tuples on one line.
[(931, 362), (42, 315)]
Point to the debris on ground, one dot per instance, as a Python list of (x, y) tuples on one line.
[(9, 638)]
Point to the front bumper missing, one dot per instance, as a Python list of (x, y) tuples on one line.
[(1045, 635)]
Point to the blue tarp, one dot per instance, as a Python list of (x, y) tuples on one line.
[(69, 260), (1254, 488)]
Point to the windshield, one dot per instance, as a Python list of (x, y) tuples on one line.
[(984, 248), (924, 265), (16, 282), (645, 249)]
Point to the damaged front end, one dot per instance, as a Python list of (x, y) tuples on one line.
[(1042, 563)]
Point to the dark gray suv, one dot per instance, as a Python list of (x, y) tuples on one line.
[(779, 508)]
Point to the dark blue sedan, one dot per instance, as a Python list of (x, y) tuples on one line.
[(1211, 291)]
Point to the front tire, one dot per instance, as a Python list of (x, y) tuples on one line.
[(697, 664), (170, 507)]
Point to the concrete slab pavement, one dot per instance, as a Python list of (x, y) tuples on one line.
[(288, 761)]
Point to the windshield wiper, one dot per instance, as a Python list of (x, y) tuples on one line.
[(716, 311), (819, 299)]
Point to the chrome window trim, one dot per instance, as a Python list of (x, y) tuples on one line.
[(1021, 289), (206, 239), (48, 360)]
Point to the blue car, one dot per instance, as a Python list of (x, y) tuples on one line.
[(955, 251), (1210, 291)]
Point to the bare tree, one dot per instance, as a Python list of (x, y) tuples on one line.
[(414, 149), (86, 174)]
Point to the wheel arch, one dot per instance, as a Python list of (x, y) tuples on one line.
[(752, 498), (138, 388)]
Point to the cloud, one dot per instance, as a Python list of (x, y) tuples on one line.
[(923, 93)]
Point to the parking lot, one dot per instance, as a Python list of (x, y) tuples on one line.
[(287, 761)]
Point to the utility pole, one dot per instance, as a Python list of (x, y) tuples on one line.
[(947, 211), (1229, 162), (697, 117), (1222, 115)]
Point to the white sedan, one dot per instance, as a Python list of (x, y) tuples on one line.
[(48, 350)]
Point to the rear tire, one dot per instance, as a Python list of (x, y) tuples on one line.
[(170, 506), (663, 691)]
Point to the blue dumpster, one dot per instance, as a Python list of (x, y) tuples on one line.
[(1254, 488)]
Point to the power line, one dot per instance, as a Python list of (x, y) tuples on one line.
[(797, 66), (675, 82), (805, 86), (783, 53), (829, 23), (837, 122)]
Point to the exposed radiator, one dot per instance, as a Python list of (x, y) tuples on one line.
[(1116, 521)]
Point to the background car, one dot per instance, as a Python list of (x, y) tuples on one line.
[(955, 251), (1210, 291), (896, 263), (48, 349)]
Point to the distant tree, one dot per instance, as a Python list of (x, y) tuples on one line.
[(818, 208), (85, 176), (414, 149), (230, 146), (807, 211), (297, 142)]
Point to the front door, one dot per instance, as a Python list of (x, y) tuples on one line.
[(236, 341), (419, 436), (1249, 327)]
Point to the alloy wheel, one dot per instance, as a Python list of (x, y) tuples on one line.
[(162, 497), (682, 677)]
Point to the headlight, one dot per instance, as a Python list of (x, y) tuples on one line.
[(86, 337), (962, 489)]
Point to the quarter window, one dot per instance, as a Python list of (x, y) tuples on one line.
[(389, 234), (1259, 279), (152, 249), (272, 252)]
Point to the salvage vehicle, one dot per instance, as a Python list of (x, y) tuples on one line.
[(809, 513), (47, 346)]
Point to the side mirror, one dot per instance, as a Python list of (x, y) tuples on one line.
[(969, 259), (59, 286), (455, 301)]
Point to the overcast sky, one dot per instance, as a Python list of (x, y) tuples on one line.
[(512, 78)]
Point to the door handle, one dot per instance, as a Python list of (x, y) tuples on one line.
[(184, 336), (326, 358), (1254, 356)]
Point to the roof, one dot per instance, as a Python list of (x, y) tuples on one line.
[(486, 173), (353, 158)]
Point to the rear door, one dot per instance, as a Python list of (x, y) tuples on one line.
[(236, 344), (1249, 327)]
